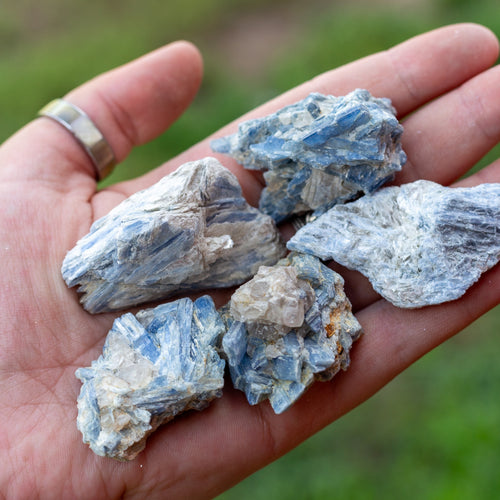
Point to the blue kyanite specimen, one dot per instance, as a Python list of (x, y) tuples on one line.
[(154, 365), (191, 230), (320, 151), (419, 244), (288, 326)]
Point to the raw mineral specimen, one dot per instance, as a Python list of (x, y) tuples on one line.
[(154, 366), (419, 244), (288, 326), (320, 151), (192, 230)]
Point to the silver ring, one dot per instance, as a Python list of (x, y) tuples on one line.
[(85, 132)]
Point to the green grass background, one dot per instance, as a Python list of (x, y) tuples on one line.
[(433, 432)]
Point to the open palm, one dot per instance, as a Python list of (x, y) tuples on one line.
[(441, 81)]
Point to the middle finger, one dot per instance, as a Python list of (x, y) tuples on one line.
[(448, 136)]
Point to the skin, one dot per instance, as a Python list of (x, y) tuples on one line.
[(445, 91)]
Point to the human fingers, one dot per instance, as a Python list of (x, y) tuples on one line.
[(129, 105), (445, 138), (411, 74), (491, 173)]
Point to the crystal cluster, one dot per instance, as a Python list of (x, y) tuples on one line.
[(288, 326), (419, 244), (292, 323), (154, 365), (320, 151), (191, 230)]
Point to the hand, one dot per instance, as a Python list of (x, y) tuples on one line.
[(440, 81)]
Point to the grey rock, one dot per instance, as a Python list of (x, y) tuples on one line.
[(320, 151), (419, 244), (192, 230), (154, 365), (287, 327)]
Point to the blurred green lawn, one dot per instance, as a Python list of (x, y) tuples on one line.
[(433, 432)]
